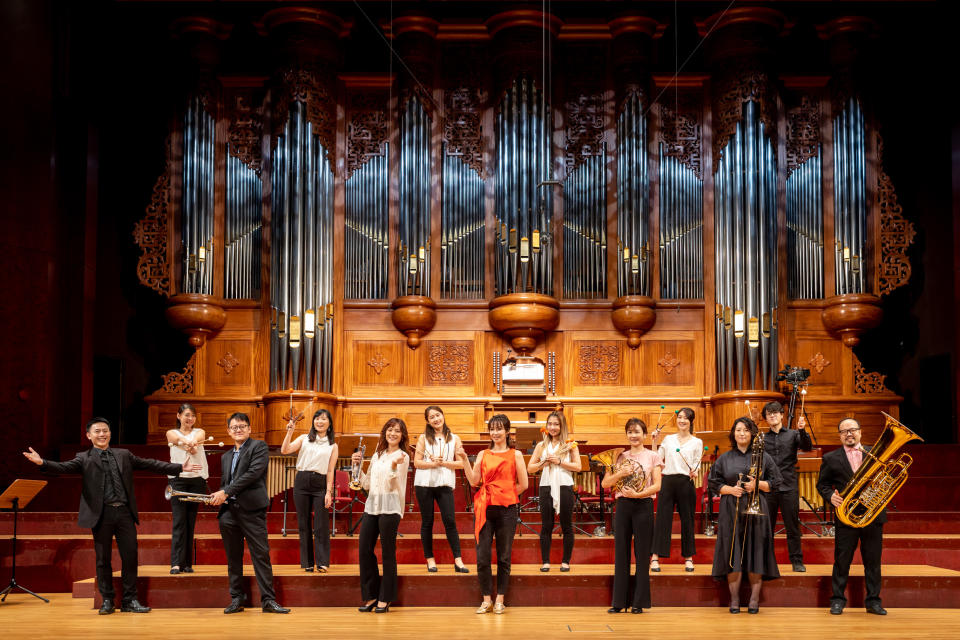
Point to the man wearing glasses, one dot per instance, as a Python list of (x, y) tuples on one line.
[(782, 443), (835, 472), (243, 504)]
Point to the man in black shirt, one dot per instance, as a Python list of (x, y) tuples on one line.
[(782, 444), (108, 506)]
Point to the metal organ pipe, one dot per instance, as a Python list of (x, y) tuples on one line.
[(633, 188), (462, 222), (805, 230), (584, 228), (365, 238), (681, 230), (243, 230), (196, 205), (850, 207), (414, 228), (746, 270)]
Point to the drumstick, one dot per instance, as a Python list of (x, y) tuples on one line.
[(656, 431)]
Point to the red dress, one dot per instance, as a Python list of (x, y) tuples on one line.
[(498, 478)]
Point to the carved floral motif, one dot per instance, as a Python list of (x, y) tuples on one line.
[(228, 363), (669, 362), (366, 129), (245, 131), (180, 382), (378, 362), (738, 84), (307, 85), (448, 364), (599, 363), (896, 233), (463, 125), (867, 382), (150, 233), (680, 132), (584, 129), (818, 363), (803, 132)]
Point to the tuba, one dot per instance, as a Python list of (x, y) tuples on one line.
[(878, 478), (637, 479)]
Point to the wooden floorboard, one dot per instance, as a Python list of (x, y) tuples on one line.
[(65, 617)]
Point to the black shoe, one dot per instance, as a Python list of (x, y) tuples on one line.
[(271, 606), (836, 608), (134, 607), (107, 608), (174, 571), (544, 569), (186, 570), (615, 609), (308, 569), (367, 607), (798, 567), (734, 609), (753, 609), (460, 569), (433, 569), (876, 609), (382, 609), (236, 606), (564, 569), (636, 610)]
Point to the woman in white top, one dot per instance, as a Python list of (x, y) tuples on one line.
[(386, 485), (434, 481), (313, 487), (186, 444), (633, 520), (556, 486), (680, 454)]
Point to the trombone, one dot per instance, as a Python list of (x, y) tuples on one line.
[(184, 496)]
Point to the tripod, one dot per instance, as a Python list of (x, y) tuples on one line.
[(23, 490)]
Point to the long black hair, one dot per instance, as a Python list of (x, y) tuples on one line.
[(312, 435), (429, 431), (404, 436)]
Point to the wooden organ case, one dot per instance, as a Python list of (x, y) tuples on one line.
[(372, 243)]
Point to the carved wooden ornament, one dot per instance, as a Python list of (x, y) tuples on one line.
[(896, 233), (378, 362), (867, 382), (228, 363), (599, 363), (150, 233), (818, 363), (180, 382), (448, 363), (669, 362)]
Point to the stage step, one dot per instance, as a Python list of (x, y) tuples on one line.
[(586, 585)]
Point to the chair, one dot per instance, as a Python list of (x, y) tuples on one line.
[(597, 499), (343, 495)]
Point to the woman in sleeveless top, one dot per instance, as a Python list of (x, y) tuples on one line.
[(386, 485), (186, 444), (436, 462), (680, 454), (313, 487), (556, 486), (502, 477), (633, 520)]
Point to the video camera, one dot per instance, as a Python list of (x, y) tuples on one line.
[(793, 375)]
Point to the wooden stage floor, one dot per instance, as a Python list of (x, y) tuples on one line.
[(23, 616)]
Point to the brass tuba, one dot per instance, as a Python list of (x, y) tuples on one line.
[(637, 479), (878, 478)]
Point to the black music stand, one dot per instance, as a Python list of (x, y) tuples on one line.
[(18, 495), (286, 496)]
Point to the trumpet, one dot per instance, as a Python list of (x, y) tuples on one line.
[(356, 469), (185, 496)]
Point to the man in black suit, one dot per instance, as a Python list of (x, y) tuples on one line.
[(243, 504), (108, 506), (835, 472), (782, 443)]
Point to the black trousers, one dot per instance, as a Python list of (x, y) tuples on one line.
[(184, 521), (116, 522), (237, 526), (443, 496), (371, 585), (502, 523), (633, 521), (309, 491), (788, 503), (845, 543), (675, 491), (546, 522)]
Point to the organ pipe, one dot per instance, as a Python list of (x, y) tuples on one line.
[(413, 228), (633, 201), (463, 229), (196, 206), (585, 229), (681, 230), (366, 243), (850, 200), (243, 229), (805, 230)]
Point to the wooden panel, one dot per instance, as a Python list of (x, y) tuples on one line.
[(598, 362), (230, 363), (668, 363), (823, 356), (377, 362), (448, 363)]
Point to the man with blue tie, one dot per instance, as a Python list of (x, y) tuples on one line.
[(243, 502)]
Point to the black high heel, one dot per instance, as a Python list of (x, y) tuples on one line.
[(636, 610), (734, 609), (367, 607), (459, 569), (382, 609), (615, 609)]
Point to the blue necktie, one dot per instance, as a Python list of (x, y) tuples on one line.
[(233, 464)]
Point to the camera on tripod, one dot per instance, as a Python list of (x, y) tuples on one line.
[(793, 375)]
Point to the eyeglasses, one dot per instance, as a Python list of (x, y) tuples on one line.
[(238, 427), (847, 432)]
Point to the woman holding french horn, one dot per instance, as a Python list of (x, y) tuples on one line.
[(434, 481), (635, 479), (186, 445), (744, 537), (556, 457)]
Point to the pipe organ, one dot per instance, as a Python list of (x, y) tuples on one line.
[(468, 213)]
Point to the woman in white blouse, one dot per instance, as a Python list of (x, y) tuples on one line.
[(556, 486), (680, 454), (386, 486), (186, 444), (313, 487), (434, 481)]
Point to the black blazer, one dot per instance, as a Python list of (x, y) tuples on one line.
[(835, 473), (89, 464), (249, 483)]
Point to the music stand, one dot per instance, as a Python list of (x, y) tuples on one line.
[(18, 495)]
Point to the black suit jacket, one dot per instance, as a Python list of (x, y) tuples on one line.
[(835, 473), (89, 464), (248, 484)]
